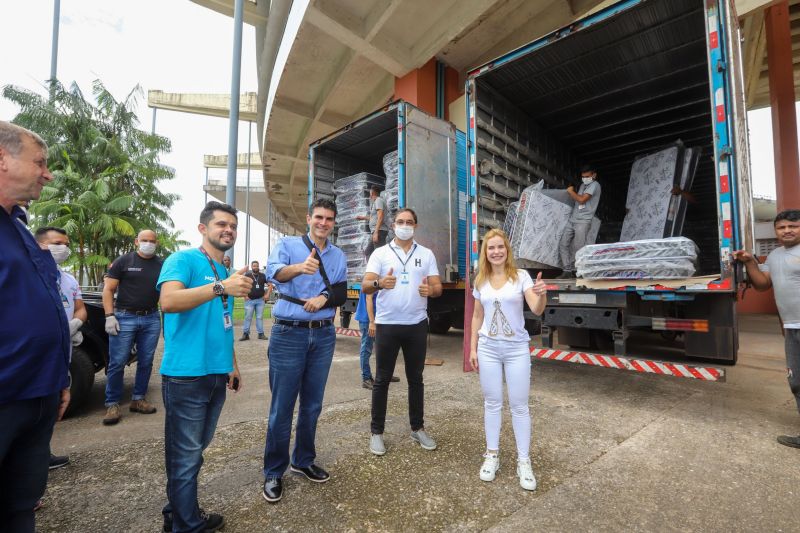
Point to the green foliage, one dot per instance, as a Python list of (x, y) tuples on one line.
[(107, 173)]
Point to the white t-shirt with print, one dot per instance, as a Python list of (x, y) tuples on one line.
[(503, 309), (403, 304), (70, 291)]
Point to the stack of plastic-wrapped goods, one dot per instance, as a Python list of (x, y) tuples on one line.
[(352, 234), (670, 258), (390, 194)]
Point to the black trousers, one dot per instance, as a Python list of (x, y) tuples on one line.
[(382, 234), (389, 339)]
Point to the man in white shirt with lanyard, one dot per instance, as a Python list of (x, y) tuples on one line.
[(406, 275)]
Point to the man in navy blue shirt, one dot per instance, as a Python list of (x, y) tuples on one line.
[(300, 346), (34, 361)]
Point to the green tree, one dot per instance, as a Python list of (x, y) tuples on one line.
[(108, 173)]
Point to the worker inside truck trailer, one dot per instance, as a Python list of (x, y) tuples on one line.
[(378, 223), (580, 220), (781, 271)]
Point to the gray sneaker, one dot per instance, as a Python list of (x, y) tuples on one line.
[(424, 439), (376, 445)]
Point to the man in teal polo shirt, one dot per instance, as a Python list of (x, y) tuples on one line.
[(198, 362)]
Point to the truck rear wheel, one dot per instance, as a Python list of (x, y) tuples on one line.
[(345, 319), (81, 370), (439, 325)]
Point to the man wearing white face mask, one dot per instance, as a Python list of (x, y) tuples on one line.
[(577, 230), (134, 318), (57, 241), (405, 274)]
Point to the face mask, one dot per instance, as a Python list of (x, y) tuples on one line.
[(404, 232), (60, 252), (147, 248), (587, 181)]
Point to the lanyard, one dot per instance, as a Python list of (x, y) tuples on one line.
[(216, 276), (404, 263)]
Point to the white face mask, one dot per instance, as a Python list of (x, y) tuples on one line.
[(404, 233), (147, 248), (60, 252), (587, 181)]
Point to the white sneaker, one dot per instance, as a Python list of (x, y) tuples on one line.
[(424, 439), (491, 464), (525, 472), (376, 445)]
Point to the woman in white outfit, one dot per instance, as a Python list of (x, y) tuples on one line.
[(500, 343)]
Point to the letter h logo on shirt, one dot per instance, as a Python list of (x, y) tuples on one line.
[(418, 262)]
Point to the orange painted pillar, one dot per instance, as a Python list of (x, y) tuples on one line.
[(782, 102), (418, 87)]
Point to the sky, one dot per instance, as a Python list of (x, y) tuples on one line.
[(179, 46)]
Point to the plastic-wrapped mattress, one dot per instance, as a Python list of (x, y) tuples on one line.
[(669, 258)]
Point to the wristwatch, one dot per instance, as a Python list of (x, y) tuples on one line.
[(376, 283), (219, 288)]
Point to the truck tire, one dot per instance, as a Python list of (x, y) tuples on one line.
[(345, 320), (81, 370), (440, 324)]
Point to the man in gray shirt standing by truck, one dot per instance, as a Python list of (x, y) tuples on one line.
[(574, 236), (781, 271), (378, 225)]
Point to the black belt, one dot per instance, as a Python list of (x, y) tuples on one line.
[(140, 312), (312, 324)]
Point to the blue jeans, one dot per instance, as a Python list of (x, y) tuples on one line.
[(27, 426), (192, 406), (299, 361), (256, 305), (366, 350), (144, 330)]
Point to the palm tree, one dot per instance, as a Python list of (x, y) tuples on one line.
[(107, 173)]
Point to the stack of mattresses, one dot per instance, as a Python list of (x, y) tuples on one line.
[(353, 235), (653, 212), (391, 193), (669, 258), (538, 224)]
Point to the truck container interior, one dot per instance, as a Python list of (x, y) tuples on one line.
[(627, 86), (359, 149)]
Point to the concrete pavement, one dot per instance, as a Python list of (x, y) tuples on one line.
[(612, 450)]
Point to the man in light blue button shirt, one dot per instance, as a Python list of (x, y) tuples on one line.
[(300, 346)]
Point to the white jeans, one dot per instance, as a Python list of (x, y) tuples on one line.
[(495, 356)]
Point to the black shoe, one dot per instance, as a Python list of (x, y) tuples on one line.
[(273, 489), (567, 274), (213, 521), (262, 337), (788, 440), (57, 461), (394, 379), (368, 383), (312, 472), (245, 337)]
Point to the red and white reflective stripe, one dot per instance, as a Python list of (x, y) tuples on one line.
[(348, 332), (705, 373)]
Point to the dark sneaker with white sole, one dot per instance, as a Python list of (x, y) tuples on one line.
[(273, 489), (312, 472), (788, 440), (214, 522)]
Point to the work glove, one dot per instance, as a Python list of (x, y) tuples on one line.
[(77, 339), (112, 326), (74, 325)]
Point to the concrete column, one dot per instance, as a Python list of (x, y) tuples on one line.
[(782, 102)]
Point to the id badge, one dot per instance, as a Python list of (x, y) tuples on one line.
[(581, 207), (405, 278), (64, 301), (256, 286), (226, 321)]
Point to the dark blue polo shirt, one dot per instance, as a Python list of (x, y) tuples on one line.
[(34, 334)]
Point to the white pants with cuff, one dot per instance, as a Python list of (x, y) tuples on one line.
[(496, 357)]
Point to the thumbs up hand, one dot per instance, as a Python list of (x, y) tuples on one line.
[(424, 290), (388, 281), (238, 284), (539, 287), (311, 264)]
